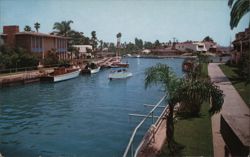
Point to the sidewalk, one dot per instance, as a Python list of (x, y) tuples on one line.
[(233, 107)]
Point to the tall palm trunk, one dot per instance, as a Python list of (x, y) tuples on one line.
[(170, 124)]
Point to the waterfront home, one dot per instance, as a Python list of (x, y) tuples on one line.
[(84, 50), (146, 51), (36, 42), (241, 44), (193, 46), (210, 46)]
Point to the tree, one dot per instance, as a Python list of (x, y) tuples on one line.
[(77, 38), (208, 38), (87, 41), (27, 28), (139, 43), (118, 36), (111, 47), (239, 9), (52, 58), (93, 39), (157, 44), (148, 45), (101, 45), (63, 28), (37, 26), (16, 57), (183, 91), (130, 47)]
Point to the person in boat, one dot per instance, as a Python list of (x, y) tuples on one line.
[(87, 66)]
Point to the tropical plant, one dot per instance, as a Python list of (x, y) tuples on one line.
[(63, 28), (184, 91), (27, 28), (239, 9), (37, 26)]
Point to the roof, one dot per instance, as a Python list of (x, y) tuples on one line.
[(41, 34)]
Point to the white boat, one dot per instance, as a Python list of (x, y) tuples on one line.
[(62, 74), (96, 70), (119, 74), (91, 68)]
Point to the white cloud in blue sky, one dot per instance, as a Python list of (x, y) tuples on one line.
[(146, 19)]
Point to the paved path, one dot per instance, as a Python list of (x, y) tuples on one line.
[(233, 107)]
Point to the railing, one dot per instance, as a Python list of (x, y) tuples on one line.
[(130, 145), (155, 128), (14, 70)]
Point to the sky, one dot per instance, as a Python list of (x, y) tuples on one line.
[(146, 19)]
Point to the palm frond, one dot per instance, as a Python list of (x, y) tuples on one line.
[(158, 74), (240, 8), (198, 91), (230, 3)]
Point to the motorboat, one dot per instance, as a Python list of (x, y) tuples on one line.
[(119, 64), (62, 74), (91, 69), (119, 74), (95, 70)]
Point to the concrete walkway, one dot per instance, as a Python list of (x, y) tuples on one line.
[(233, 107)]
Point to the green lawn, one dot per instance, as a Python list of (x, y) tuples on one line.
[(241, 86), (194, 134)]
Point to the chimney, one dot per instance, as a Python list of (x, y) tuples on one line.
[(10, 32)]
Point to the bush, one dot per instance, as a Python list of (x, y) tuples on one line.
[(16, 57)]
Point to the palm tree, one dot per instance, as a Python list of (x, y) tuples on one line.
[(183, 91), (239, 9), (118, 36), (37, 26), (27, 28), (93, 39), (63, 28)]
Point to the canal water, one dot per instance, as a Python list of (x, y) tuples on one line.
[(82, 117)]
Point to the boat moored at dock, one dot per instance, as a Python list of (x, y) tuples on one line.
[(91, 69), (61, 74)]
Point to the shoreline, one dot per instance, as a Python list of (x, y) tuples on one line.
[(160, 57)]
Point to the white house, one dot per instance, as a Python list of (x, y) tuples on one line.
[(191, 46), (83, 49), (146, 51), (210, 46)]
